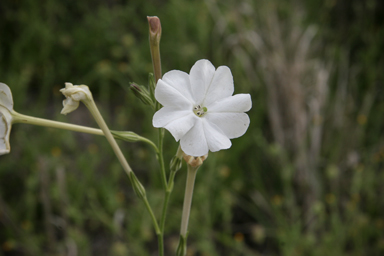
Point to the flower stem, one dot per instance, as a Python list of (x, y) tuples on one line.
[(156, 226), (160, 235), (161, 158), (168, 192), (175, 166), (191, 175)]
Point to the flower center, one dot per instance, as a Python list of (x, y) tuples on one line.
[(199, 110)]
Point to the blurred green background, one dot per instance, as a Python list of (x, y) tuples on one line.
[(306, 179)]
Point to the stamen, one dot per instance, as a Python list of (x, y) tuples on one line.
[(199, 110)]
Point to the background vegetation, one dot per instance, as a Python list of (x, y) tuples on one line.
[(306, 179)]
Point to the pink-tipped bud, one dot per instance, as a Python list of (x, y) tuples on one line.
[(154, 28)]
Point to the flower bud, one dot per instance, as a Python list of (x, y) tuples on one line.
[(175, 164), (127, 136), (154, 29), (142, 93), (74, 94), (137, 187)]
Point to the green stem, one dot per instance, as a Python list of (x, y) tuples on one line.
[(160, 240), (149, 142), (148, 206), (168, 192), (161, 158), (174, 166), (191, 175)]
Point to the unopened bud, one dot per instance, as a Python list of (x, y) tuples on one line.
[(175, 164), (195, 161), (142, 93), (137, 187), (154, 29), (127, 136)]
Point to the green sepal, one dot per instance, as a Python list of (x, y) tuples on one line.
[(152, 86), (182, 247), (137, 187), (142, 93), (176, 164), (132, 137), (126, 136)]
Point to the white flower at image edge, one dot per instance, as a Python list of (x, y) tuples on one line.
[(6, 107), (199, 109), (73, 95)]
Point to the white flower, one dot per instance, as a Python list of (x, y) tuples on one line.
[(74, 94), (199, 109), (6, 107)]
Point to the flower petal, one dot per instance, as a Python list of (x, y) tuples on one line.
[(215, 138), (194, 143), (69, 105), (6, 97), (167, 95), (201, 75), (233, 125), (77, 92), (179, 127), (168, 114), (180, 81), (236, 103), (5, 130), (220, 87)]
